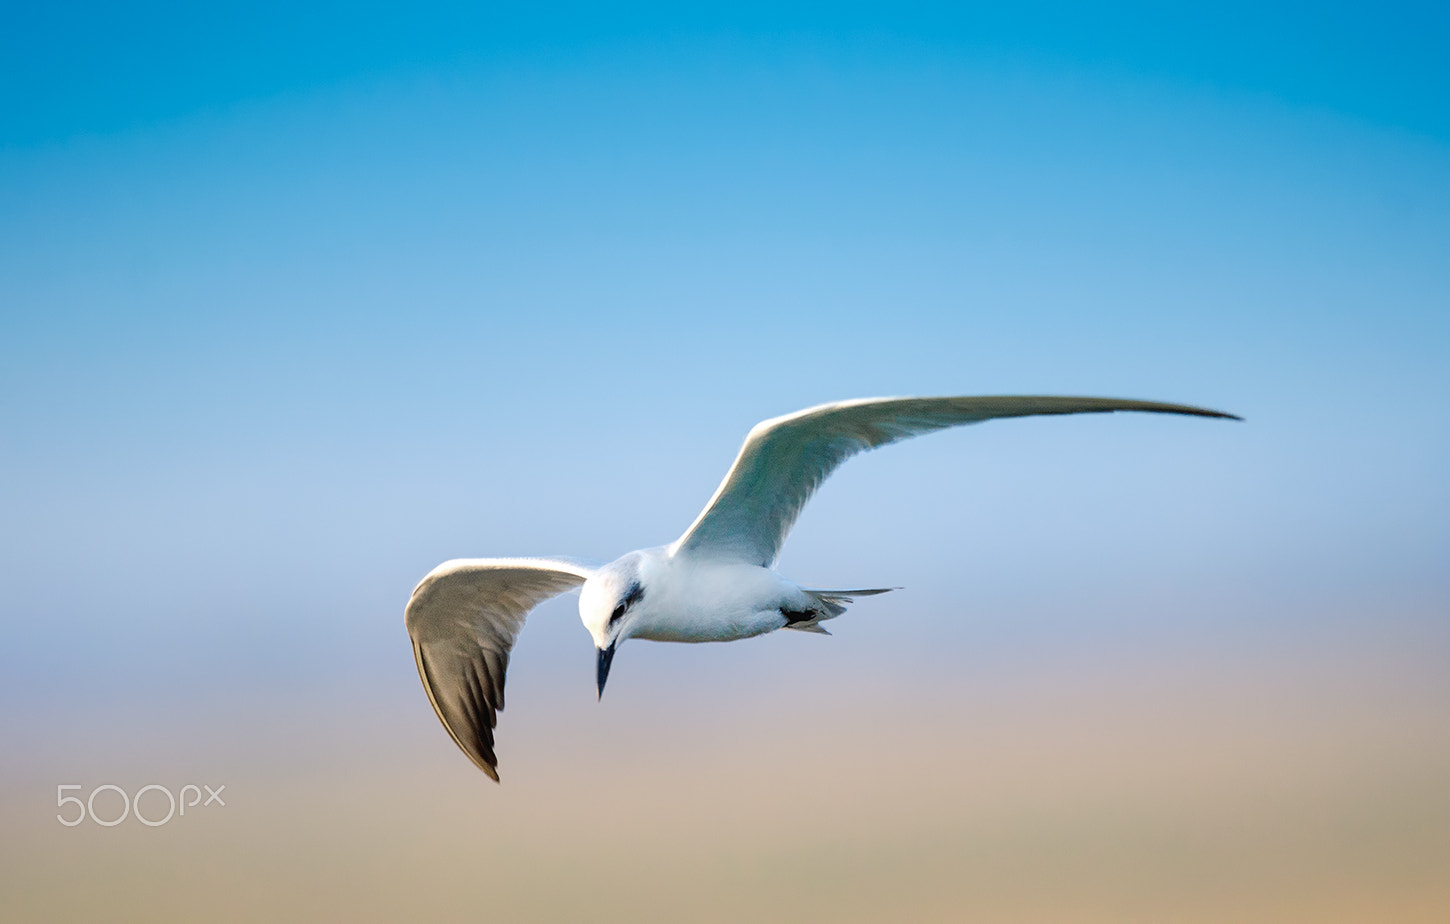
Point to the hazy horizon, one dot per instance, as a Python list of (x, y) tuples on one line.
[(296, 305)]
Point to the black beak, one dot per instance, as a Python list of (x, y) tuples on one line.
[(605, 656)]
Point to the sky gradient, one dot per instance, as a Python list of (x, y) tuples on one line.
[(296, 304)]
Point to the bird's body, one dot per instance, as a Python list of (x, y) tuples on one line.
[(692, 598), (716, 583), (698, 600)]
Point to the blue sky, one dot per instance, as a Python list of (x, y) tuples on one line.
[(74, 68), (299, 300), (296, 303)]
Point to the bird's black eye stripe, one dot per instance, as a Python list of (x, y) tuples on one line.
[(636, 594)]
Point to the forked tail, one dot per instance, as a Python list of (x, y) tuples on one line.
[(830, 604)]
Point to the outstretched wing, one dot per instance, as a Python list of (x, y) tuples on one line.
[(463, 619), (785, 459)]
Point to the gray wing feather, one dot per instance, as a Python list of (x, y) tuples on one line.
[(464, 617), (786, 458)]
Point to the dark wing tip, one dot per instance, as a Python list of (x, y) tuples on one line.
[(1165, 408), (481, 754), (1154, 407), (1205, 412), (485, 762), (469, 718), (1031, 405)]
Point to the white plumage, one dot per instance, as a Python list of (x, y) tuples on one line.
[(715, 583)]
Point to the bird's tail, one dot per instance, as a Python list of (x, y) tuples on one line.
[(832, 603)]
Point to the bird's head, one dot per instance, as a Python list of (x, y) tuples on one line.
[(606, 602)]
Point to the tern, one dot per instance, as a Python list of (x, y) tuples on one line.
[(716, 583)]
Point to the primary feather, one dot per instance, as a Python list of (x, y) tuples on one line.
[(786, 458), (464, 617)]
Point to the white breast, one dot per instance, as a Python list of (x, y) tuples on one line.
[(694, 600)]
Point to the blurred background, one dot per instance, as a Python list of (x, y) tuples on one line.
[(297, 301)]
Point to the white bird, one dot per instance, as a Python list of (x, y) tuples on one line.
[(716, 583)]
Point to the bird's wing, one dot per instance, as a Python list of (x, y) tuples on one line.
[(785, 459), (463, 619)]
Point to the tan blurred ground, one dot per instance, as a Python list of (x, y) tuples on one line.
[(1228, 789)]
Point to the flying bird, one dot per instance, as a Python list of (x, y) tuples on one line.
[(716, 583)]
